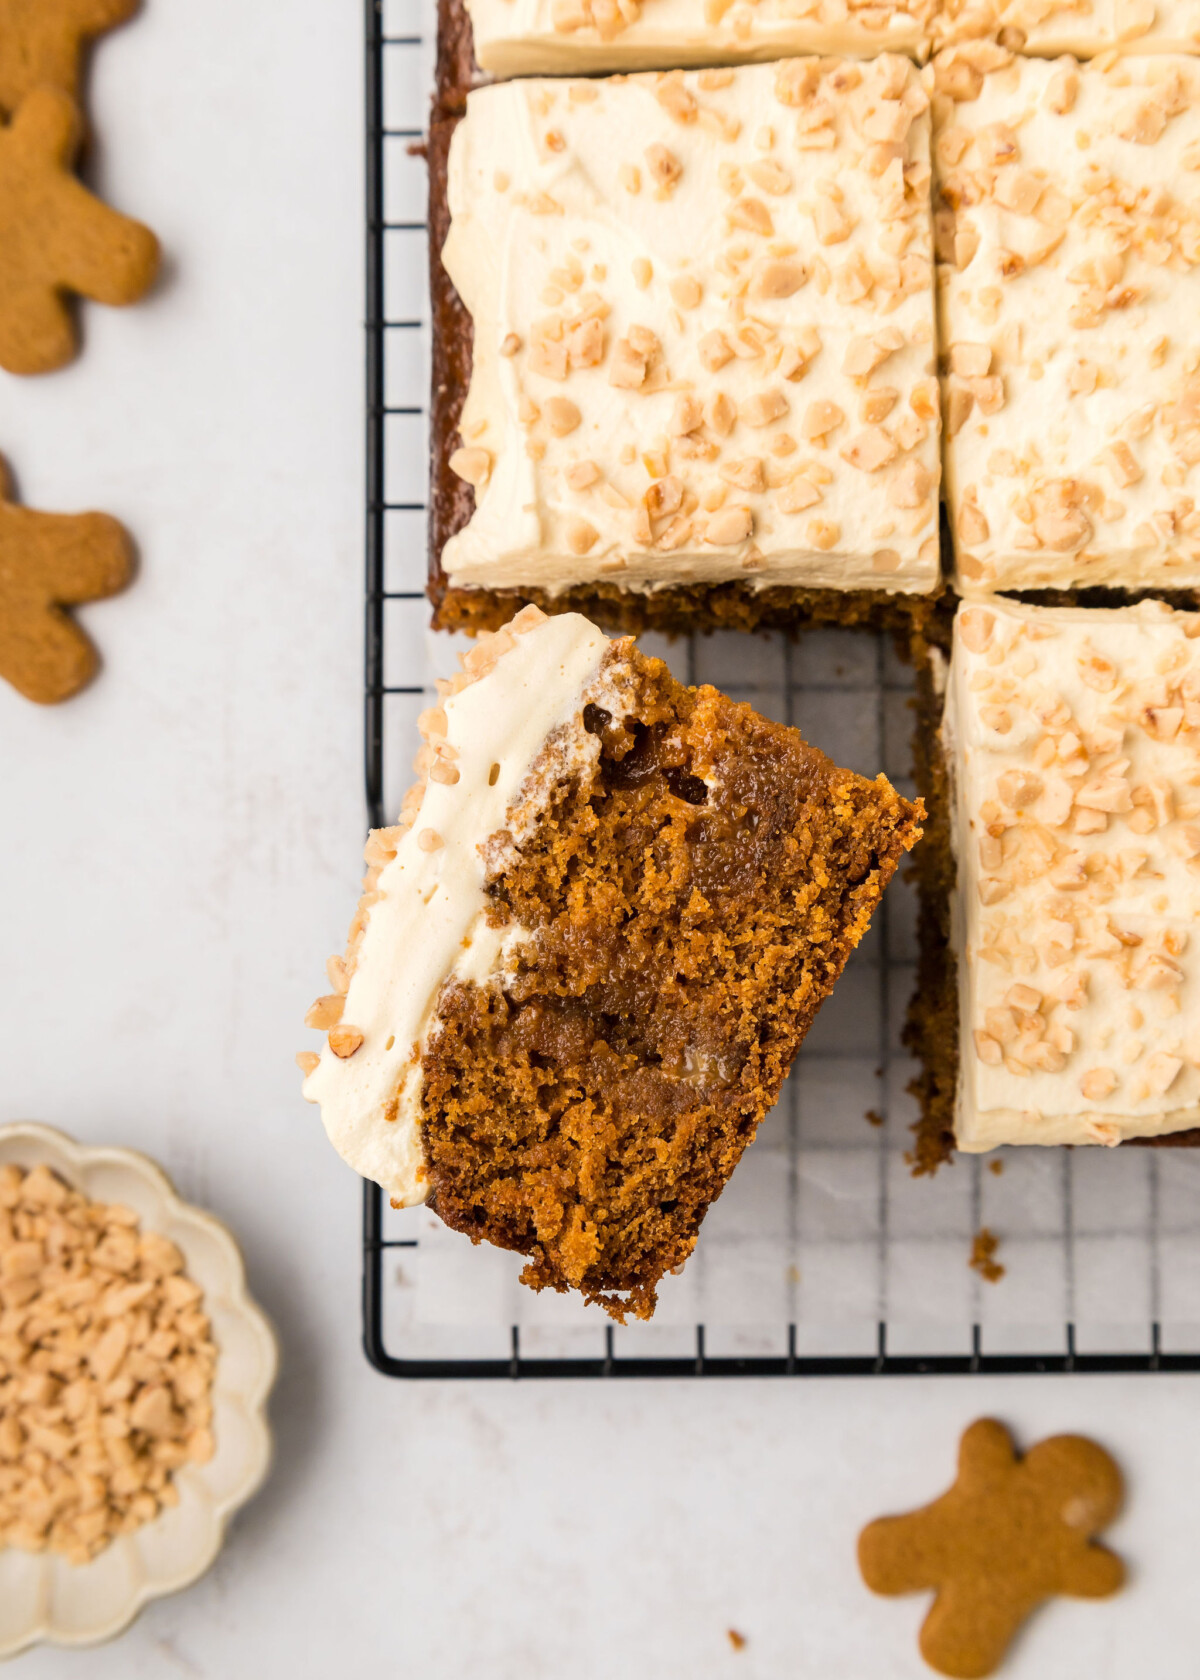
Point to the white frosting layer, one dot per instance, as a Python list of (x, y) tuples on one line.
[(1073, 738), (703, 330), (428, 923), (1069, 222), (1047, 28), (561, 37)]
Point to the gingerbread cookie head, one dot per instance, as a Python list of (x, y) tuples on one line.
[(42, 42), (56, 238), (1010, 1533), (49, 562)]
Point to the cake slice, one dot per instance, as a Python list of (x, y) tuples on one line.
[(700, 337), (588, 953), (1067, 211), (1072, 738)]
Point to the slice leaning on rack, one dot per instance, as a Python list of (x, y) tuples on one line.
[(588, 953)]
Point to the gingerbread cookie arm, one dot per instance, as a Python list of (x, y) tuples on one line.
[(986, 1455), (87, 247), (94, 17), (101, 254), (80, 556), (903, 1554), (1095, 1572)]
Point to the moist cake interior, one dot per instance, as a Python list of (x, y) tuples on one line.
[(690, 906)]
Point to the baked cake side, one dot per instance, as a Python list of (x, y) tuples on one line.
[(1073, 741), (702, 371), (1067, 214), (579, 976), (931, 1020)]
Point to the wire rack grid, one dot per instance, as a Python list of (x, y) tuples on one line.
[(824, 1255)]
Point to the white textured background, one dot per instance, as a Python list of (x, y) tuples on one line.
[(178, 851)]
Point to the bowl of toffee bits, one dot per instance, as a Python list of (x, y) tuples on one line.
[(134, 1373)]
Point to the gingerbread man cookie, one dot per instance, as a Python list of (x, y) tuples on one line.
[(42, 42), (1010, 1533), (57, 238), (50, 561)]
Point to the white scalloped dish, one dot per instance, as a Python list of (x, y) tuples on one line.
[(42, 1595)]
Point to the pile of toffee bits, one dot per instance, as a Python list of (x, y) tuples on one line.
[(106, 1368)]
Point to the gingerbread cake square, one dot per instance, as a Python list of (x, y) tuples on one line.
[(701, 317), (575, 37), (588, 953), (1068, 226), (1072, 738)]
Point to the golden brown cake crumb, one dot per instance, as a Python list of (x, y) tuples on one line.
[(983, 1256)]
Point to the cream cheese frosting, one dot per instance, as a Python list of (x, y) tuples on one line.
[(1084, 28), (499, 742), (1073, 742), (565, 37), (703, 330), (1068, 228)]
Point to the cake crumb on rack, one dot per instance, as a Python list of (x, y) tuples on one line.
[(983, 1255)]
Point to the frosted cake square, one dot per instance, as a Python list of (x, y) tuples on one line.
[(702, 341), (1068, 225), (1072, 740)]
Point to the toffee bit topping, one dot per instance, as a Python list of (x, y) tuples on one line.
[(344, 1040), (472, 465), (580, 536), (326, 1012), (663, 165), (729, 526), (561, 415)]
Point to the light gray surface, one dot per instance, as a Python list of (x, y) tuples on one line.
[(179, 853)]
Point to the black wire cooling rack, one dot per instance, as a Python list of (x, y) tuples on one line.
[(1162, 1234)]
